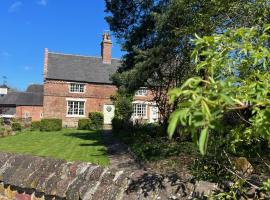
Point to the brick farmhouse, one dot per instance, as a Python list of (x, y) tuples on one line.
[(75, 85)]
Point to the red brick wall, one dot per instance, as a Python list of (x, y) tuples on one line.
[(96, 95), (34, 112), (55, 103)]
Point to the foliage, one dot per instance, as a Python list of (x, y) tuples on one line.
[(35, 126), (67, 144), (51, 124), (84, 124), (123, 105), (147, 144), (155, 34), (236, 77), (96, 120), (117, 124), (2, 122), (266, 185), (16, 126)]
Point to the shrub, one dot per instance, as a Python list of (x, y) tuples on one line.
[(2, 122), (96, 120), (16, 126), (35, 126), (117, 124), (84, 124), (51, 124)]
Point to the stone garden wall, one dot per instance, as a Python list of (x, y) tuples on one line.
[(24, 177)]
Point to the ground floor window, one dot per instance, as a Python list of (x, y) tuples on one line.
[(139, 110), (26, 114), (76, 108)]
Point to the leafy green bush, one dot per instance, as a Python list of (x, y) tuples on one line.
[(1, 122), (35, 126), (51, 124), (16, 126), (117, 124), (84, 124), (235, 77), (96, 120)]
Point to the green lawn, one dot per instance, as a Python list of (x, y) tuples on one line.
[(70, 145)]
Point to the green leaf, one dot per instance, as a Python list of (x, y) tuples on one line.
[(174, 119), (203, 141)]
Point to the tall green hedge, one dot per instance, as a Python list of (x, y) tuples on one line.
[(96, 120), (50, 124)]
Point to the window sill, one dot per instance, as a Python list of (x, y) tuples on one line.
[(75, 116), (76, 92)]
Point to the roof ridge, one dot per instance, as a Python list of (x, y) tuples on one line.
[(65, 54)]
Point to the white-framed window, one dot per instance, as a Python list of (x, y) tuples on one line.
[(75, 108), (26, 115), (139, 110), (76, 88), (141, 92)]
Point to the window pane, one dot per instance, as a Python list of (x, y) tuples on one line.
[(139, 110), (74, 87), (76, 107)]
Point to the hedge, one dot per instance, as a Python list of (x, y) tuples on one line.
[(35, 126), (96, 120), (16, 126), (50, 124), (117, 124), (84, 124)]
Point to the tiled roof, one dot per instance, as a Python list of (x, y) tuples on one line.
[(80, 68), (22, 99)]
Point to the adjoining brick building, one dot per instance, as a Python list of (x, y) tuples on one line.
[(75, 85), (28, 104)]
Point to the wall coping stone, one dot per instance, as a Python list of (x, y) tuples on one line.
[(59, 179)]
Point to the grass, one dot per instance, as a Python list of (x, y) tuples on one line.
[(68, 144)]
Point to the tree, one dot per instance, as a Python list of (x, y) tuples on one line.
[(156, 36), (237, 65)]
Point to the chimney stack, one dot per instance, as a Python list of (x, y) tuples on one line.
[(106, 48), (46, 52)]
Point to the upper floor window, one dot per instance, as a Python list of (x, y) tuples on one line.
[(141, 92), (76, 88)]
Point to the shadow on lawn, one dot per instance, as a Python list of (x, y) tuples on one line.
[(94, 138)]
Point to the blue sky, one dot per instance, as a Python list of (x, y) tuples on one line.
[(28, 26)]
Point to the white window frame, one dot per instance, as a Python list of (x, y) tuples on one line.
[(75, 100), (142, 92), (26, 115), (79, 87), (135, 114)]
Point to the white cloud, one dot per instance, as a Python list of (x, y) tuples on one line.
[(4, 54), (27, 68), (15, 7), (42, 2)]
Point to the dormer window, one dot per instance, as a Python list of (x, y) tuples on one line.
[(76, 88), (141, 92)]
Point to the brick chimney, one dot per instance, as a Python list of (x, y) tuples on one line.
[(106, 48), (46, 63)]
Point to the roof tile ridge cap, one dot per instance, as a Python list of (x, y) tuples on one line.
[(70, 54)]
